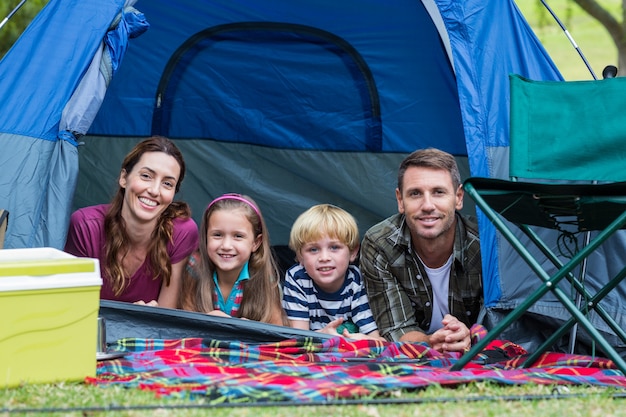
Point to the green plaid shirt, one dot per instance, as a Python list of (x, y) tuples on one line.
[(400, 293)]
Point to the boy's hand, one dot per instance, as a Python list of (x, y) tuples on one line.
[(362, 336), (331, 328)]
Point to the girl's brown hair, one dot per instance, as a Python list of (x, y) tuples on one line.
[(117, 242), (262, 293)]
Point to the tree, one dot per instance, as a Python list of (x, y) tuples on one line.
[(615, 27), (18, 22)]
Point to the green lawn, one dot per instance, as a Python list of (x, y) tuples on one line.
[(480, 399)]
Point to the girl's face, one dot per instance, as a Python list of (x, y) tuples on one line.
[(149, 187), (230, 241)]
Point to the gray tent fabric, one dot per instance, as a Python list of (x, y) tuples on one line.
[(125, 320)]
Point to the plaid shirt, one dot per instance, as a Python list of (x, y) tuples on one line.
[(400, 292)]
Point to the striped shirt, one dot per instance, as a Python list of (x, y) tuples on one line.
[(304, 300)]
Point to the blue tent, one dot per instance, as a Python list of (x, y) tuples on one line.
[(52, 83), (293, 103)]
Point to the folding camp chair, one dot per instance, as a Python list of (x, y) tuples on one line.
[(4, 221), (568, 167)]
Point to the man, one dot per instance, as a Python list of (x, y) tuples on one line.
[(422, 266)]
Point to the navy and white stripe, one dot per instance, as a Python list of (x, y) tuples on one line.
[(304, 300)]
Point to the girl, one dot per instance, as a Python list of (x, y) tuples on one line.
[(142, 238), (234, 272)]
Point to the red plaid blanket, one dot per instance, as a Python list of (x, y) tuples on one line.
[(310, 370)]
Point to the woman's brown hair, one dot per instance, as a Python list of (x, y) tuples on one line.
[(117, 241)]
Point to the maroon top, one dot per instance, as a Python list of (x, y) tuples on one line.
[(86, 239)]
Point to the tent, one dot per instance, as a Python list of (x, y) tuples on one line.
[(293, 103)]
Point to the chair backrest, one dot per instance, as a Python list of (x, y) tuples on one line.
[(568, 130)]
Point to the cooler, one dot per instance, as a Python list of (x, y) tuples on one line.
[(49, 302)]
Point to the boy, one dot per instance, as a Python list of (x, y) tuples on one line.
[(324, 290)]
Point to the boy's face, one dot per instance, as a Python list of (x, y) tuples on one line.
[(326, 261)]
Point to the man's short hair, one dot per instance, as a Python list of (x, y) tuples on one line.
[(430, 158)]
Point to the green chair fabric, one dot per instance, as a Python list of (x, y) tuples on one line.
[(568, 130), (567, 156)]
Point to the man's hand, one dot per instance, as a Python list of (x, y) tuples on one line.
[(454, 336)]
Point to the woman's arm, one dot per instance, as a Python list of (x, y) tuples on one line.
[(168, 297)]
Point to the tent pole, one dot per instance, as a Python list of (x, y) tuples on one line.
[(571, 39), (574, 331), (6, 19)]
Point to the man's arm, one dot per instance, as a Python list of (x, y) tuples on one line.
[(390, 305), (454, 336)]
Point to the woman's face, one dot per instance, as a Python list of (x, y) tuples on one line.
[(149, 187)]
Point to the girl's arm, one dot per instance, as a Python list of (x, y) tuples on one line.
[(168, 297), (299, 324), (277, 316)]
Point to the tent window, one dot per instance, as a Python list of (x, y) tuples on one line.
[(271, 84)]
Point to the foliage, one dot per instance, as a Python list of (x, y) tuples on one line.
[(18, 22), (591, 38), (605, 13)]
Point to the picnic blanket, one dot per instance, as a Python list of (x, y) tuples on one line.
[(309, 370)]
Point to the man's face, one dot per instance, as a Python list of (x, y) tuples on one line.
[(429, 200)]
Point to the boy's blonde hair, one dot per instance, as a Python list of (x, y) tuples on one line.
[(324, 220)]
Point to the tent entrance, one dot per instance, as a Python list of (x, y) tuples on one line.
[(277, 84)]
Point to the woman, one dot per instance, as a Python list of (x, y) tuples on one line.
[(143, 238)]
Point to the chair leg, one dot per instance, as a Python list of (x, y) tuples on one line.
[(550, 283), (592, 303), (579, 298), (579, 286)]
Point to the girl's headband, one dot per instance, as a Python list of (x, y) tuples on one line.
[(238, 197)]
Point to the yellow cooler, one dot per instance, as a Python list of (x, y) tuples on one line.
[(49, 302)]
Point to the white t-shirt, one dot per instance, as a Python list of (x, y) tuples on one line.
[(440, 282)]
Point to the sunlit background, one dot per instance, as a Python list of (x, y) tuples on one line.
[(591, 37)]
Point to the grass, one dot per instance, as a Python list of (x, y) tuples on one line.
[(476, 399)]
